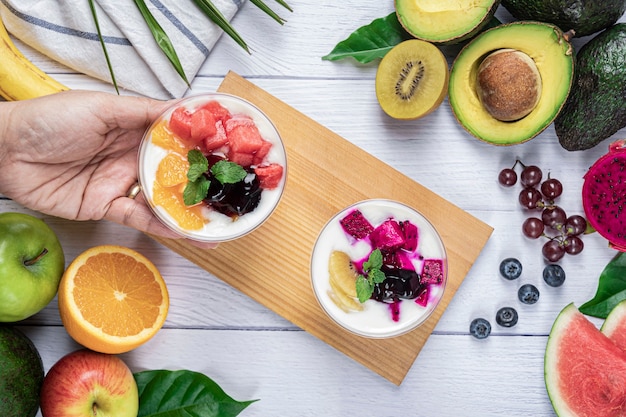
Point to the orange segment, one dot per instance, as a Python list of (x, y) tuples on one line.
[(189, 218), (163, 137), (172, 170), (112, 299)]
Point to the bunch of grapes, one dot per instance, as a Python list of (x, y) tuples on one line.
[(563, 232)]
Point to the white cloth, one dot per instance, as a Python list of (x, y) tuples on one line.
[(65, 31)]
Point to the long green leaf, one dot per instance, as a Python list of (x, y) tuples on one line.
[(284, 4), (161, 38), (164, 393), (611, 288), (104, 48), (261, 5), (218, 18), (371, 41)]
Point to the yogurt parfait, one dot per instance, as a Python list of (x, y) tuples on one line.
[(212, 167), (378, 268)]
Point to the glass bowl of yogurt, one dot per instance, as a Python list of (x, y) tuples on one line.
[(212, 167), (379, 268)]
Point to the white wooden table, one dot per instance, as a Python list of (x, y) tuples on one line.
[(255, 354)]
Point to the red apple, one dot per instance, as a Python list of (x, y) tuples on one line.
[(85, 383)]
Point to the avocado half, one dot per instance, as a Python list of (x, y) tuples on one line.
[(553, 55), (445, 22)]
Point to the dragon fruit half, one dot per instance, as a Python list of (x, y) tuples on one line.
[(604, 195)]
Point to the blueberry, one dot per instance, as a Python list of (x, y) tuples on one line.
[(506, 317), (480, 328), (528, 294), (510, 268), (553, 275)]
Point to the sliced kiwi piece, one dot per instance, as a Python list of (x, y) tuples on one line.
[(412, 79), (342, 272)]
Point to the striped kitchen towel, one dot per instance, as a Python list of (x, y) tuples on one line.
[(65, 31)]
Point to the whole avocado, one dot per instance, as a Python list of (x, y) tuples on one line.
[(21, 374), (596, 106), (585, 17)]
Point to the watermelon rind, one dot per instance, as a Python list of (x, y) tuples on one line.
[(614, 319), (551, 373)]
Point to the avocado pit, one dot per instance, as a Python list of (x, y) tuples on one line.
[(508, 84)]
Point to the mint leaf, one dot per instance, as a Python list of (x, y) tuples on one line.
[(182, 392), (371, 275), (228, 172), (196, 191), (364, 289), (198, 164)]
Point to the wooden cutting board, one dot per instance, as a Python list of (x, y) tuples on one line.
[(271, 265)]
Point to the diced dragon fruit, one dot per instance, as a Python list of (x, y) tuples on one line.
[(397, 259), (410, 233), (356, 225), (432, 271), (422, 298), (387, 236)]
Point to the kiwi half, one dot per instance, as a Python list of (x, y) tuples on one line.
[(412, 79)]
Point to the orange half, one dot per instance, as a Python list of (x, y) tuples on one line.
[(112, 299)]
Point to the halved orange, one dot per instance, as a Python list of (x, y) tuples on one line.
[(112, 299)]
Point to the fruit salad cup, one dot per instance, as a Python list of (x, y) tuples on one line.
[(378, 268), (212, 167)]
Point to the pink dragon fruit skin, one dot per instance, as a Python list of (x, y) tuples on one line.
[(604, 195)]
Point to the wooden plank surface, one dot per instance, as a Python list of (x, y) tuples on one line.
[(326, 173)]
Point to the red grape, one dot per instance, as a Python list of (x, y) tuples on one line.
[(554, 217), (575, 225), (532, 227), (574, 245), (531, 176), (529, 198), (507, 177), (552, 250), (551, 188)]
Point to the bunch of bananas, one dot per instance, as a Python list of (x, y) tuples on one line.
[(20, 79)]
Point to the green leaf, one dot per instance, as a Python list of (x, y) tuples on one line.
[(364, 289), (372, 275), (218, 18), (186, 393), (196, 191), (104, 48), (161, 38), (371, 41), (228, 172), (261, 5), (198, 164), (611, 288)]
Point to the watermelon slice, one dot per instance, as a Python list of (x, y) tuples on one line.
[(585, 372), (614, 326)]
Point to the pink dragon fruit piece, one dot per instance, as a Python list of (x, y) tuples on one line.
[(356, 225), (432, 271), (604, 195), (410, 233), (387, 236)]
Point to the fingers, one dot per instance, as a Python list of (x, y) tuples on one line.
[(136, 214)]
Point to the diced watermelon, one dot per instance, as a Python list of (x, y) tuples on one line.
[(432, 271), (219, 112), (260, 155), (241, 158), (243, 137), (180, 123), (269, 175), (202, 125), (387, 236), (218, 140), (410, 233), (356, 225)]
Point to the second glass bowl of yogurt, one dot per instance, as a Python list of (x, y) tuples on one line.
[(397, 255), (213, 167)]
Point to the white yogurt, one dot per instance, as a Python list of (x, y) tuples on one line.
[(376, 320), (220, 227)]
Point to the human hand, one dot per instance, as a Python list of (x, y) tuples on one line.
[(74, 155)]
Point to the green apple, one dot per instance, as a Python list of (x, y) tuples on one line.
[(85, 383), (31, 265)]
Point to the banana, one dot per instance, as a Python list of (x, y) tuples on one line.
[(20, 79)]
